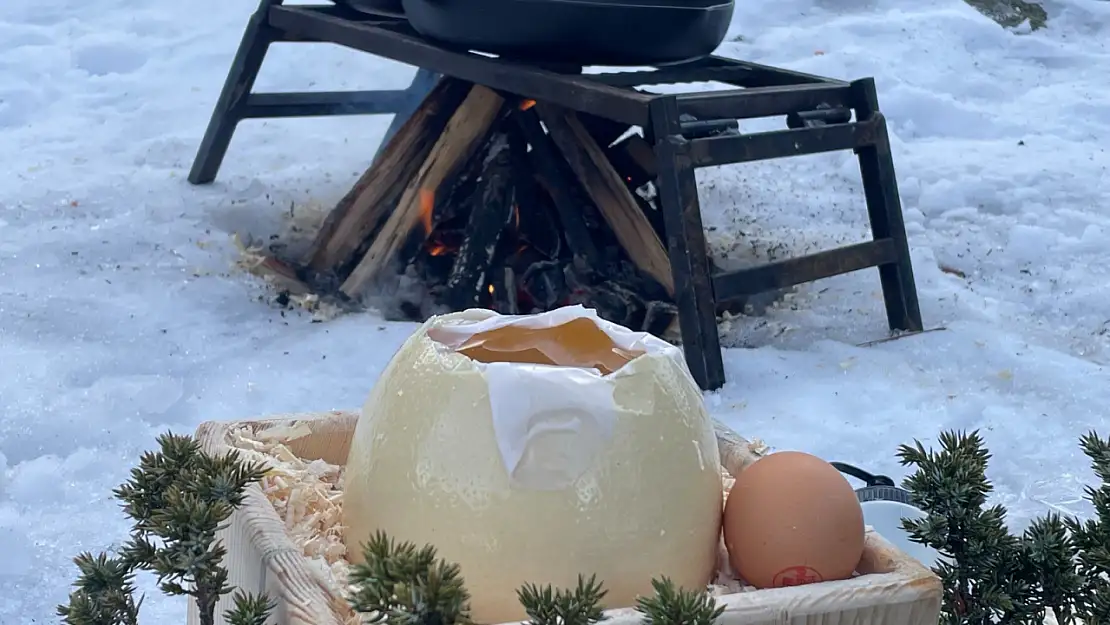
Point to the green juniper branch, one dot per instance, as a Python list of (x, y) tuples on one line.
[(989, 575), (249, 609), (398, 583), (546, 606), (677, 606), (1092, 537), (178, 498), (104, 593)]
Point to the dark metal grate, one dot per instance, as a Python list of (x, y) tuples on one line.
[(822, 115)]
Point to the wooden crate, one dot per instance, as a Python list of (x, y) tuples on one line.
[(893, 590)]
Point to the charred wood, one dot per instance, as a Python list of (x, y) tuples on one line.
[(518, 215), (558, 185), (545, 284), (502, 292), (634, 158), (659, 317), (534, 223), (491, 212), (349, 225), (613, 301), (604, 131), (609, 193), (463, 134)]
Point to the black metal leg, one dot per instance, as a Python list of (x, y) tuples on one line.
[(678, 198), (885, 211), (240, 78), (421, 84)]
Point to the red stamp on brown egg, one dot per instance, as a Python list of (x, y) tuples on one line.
[(796, 576)]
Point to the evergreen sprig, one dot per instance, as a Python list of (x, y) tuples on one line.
[(398, 583), (1049, 553), (547, 606), (952, 486), (104, 593), (1092, 537), (989, 575), (672, 605), (249, 609), (178, 498)]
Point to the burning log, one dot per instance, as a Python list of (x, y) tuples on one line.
[(633, 157), (555, 183), (485, 207), (535, 225), (462, 135), (491, 213), (363, 209), (608, 191)]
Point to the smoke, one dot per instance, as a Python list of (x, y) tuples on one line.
[(402, 295)]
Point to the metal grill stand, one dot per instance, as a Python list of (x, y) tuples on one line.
[(823, 115)]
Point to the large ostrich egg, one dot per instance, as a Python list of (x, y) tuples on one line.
[(536, 473)]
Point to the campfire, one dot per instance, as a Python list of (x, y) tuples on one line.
[(484, 200)]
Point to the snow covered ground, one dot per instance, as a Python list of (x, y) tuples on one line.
[(121, 315)]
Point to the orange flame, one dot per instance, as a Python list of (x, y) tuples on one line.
[(427, 203), (527, 104)]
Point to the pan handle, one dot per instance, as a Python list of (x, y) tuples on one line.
[(867, 478)]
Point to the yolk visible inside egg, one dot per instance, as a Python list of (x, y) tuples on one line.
[(577, 343)]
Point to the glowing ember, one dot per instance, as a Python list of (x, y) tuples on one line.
[(438, 248), (527, 104)]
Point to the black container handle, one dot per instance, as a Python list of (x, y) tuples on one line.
[(878, 487), (869, 479)]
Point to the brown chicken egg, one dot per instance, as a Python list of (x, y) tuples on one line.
[(790, 519)]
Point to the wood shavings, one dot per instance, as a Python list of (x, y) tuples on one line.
[(308, 498), (282, 276)]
